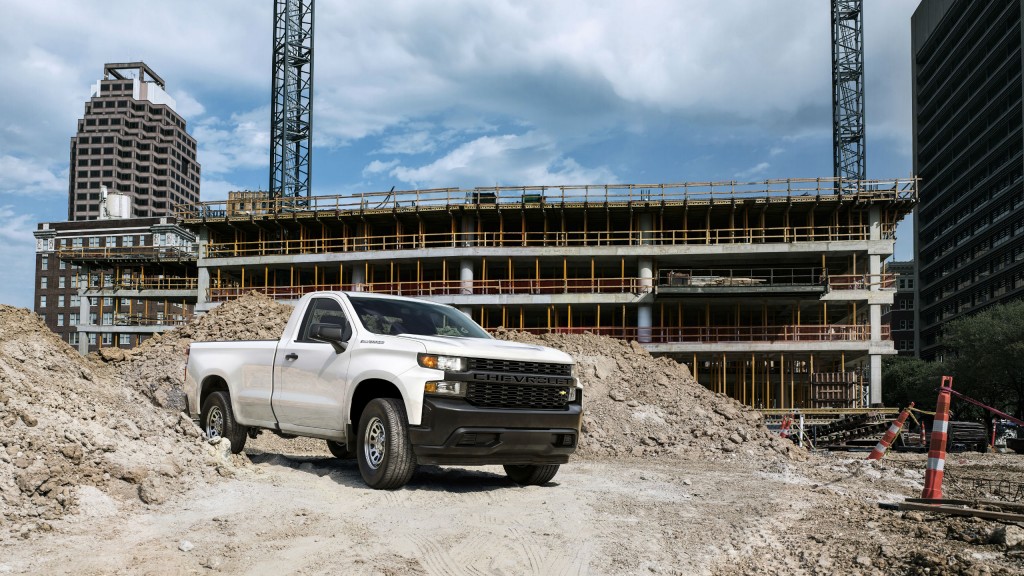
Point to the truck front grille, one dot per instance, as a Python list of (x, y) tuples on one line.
[(493, 395), (519, 367)]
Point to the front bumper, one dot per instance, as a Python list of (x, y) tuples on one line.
[(453, 431)]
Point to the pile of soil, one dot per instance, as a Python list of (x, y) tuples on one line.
[(638, 405), (73, 439), (157, 366)]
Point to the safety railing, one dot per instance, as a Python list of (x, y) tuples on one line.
[(862, 281), (133, 253), (446, 288), (508, 239), (890, 189), (714, 334)]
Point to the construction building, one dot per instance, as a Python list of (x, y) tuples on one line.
[(771, 292), (900, 316), (103, 277), (969, 154)]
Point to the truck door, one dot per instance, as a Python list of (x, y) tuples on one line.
[(310, 378)]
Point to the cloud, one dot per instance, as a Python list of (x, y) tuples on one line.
[(187, 106), (378, 167), (240, 141), (17, 260), (509, 159), (760, 168), (30, 177)]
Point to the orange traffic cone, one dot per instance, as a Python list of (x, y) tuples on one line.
[(890, 434), (937, 450)]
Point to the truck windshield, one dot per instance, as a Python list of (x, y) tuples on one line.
[(386, 316)]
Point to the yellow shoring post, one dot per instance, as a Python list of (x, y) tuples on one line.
[(243, 277), (782, 380), (725, 367), (504, 316), (316, 277), (753, 378), (549, 318), (598, 321), (694, 366), (266, 277), (569, 317), (792, 385), (521, 318)]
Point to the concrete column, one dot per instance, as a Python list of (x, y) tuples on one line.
[(874, 271), (358, 278), (468, 229), (875, 220), (83, 318), (876, 380), (466, 275), (645, 272), (203, 283)]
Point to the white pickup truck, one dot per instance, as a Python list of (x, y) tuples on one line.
[(393, 382)]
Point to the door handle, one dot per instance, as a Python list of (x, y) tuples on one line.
[(291, 356)]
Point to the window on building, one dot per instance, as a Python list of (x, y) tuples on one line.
[(76, 300), (108, 339), (42, 301), (108, 280), (92, 338), (76, 242), (44, 263), (903, 324), (62, 281), (62, 265), (128, 241), (73, 338), (60, 301), (42, 282), (73, 318), (94, 242), (125, 340), (111, 241), (60, 319), (92, 318), (108, 318)]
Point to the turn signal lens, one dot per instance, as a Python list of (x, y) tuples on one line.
[(444, 388)]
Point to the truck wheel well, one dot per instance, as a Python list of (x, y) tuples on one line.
[(368, 390), (210, 385)]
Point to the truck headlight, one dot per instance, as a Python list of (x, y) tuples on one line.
[(446, 363), (445, 388)]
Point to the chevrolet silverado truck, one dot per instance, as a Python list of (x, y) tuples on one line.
[(393, 382)]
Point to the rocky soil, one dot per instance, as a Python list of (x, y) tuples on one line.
[(101, 473)]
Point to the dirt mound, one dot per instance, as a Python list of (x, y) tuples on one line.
[(639, 405), (157, 367), (73, 437)]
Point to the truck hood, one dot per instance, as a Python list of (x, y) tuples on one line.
[(489, 348)]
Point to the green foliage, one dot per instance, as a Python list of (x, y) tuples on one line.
[(986, 356), (911, 380)]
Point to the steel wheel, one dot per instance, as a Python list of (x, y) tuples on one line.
[(375, 443), (214, 422)]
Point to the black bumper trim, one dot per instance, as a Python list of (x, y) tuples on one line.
[(454, 432)]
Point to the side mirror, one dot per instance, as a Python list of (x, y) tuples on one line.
[(336, 336)]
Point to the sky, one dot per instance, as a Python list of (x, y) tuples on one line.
[(457, 93)]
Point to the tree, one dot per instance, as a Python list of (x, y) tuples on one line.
[(986, 356), (911, 380)]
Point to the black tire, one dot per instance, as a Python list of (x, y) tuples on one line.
[(218, 421), (385, 457), (339, 450), (531, 474)]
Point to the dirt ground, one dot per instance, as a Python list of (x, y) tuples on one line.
[(289, 508), (101, 473)]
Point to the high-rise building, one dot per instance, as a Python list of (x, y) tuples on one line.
[(132, 141), (900, 316), (969, 153)]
